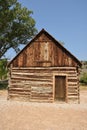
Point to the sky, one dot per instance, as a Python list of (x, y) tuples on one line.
[(65, 20)]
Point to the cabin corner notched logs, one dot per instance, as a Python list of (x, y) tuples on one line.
[(44, 71)]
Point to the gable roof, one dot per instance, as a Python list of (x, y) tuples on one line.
[(57, 43)]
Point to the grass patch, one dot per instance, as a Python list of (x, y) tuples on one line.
[(83, 87), (3, 85)]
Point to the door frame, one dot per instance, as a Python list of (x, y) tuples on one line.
[(66, 80)]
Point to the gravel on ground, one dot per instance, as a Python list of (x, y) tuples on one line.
[(15, 115)]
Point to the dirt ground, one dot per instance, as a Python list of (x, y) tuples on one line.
[(16, 115)]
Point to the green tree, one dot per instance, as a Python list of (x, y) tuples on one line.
[(83, 79), (16, 25), (3, 69)]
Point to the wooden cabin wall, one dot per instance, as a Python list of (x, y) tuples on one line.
[(44, 52), (37, 83)]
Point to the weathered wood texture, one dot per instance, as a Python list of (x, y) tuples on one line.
[(36, 83), (60, 88), (44, 52), (33, 71)]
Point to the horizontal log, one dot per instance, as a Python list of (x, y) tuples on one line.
[(19, 93), (19, 89), (41, 101), (72, 87), (40, 88), (31, 74), (68, 71), (72, 75), (72, 83), (17, 68), (43, 70), (72, 91), (31, 79), (69, 78), (50, 73), (72, 79), (41, 96), (72, 97), (41, 93), (19, 96), (19, 85)]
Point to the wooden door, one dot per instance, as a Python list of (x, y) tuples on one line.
[(60, 84)]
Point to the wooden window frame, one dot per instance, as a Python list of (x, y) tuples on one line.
[(66, 85)]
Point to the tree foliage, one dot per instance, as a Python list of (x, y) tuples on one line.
[(16, 25), (83, 79), (3, 69)]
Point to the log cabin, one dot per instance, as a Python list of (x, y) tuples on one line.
[(44, 71)]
